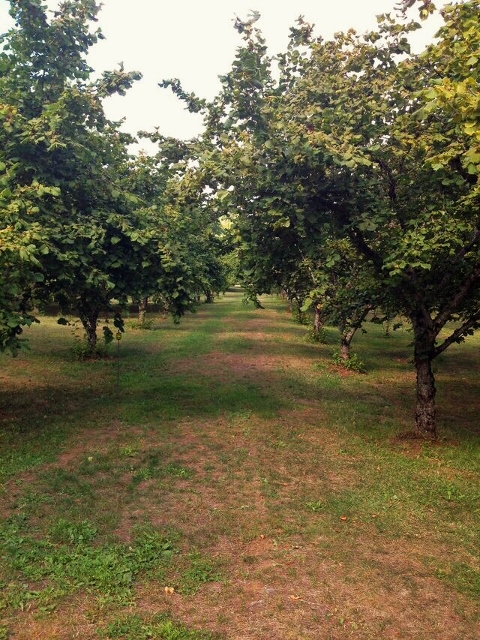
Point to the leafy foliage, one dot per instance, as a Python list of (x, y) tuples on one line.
[(362, 146), (83, 223)]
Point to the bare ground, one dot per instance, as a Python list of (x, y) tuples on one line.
[(286, 575)]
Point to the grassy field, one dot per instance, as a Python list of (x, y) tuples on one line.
[(222, 479)]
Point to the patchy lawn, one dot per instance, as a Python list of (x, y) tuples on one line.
[(221, 479)]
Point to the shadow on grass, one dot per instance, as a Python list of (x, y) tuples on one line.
[(46, 397)]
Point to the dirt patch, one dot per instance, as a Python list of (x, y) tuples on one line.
[(246, 492), (302, 593)]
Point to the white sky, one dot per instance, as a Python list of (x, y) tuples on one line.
[(195, 41)]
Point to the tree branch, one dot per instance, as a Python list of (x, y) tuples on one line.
[(458, 334), (362, 247), (392, 184), (460, 255), (449, 308)]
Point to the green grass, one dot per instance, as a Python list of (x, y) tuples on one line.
[(68, 560), (135, 627), (229, 452)]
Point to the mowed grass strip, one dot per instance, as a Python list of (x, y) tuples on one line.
[(221, 478)]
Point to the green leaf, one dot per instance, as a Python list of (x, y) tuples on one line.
[(306, 305)]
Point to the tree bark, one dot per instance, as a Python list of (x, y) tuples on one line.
[(425, 412), (142, 311), (349, 330), (317, 321), (424, 353), (345, 342), (89, 320)]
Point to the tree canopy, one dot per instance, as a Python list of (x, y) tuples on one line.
[(356, 140), (348, 170), (83, 223)]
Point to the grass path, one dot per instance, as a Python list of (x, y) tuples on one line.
[(221, 479)]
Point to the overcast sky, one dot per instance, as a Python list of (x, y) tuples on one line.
[(195, 41)]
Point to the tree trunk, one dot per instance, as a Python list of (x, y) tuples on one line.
[(425, 424), (142, 311), (317, 321), (349, 329), (345, 342), (89, 321), (387, 327), (209, 297)]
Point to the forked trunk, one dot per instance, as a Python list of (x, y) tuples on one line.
[(89, 321), (345, 342), (348, 330)]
